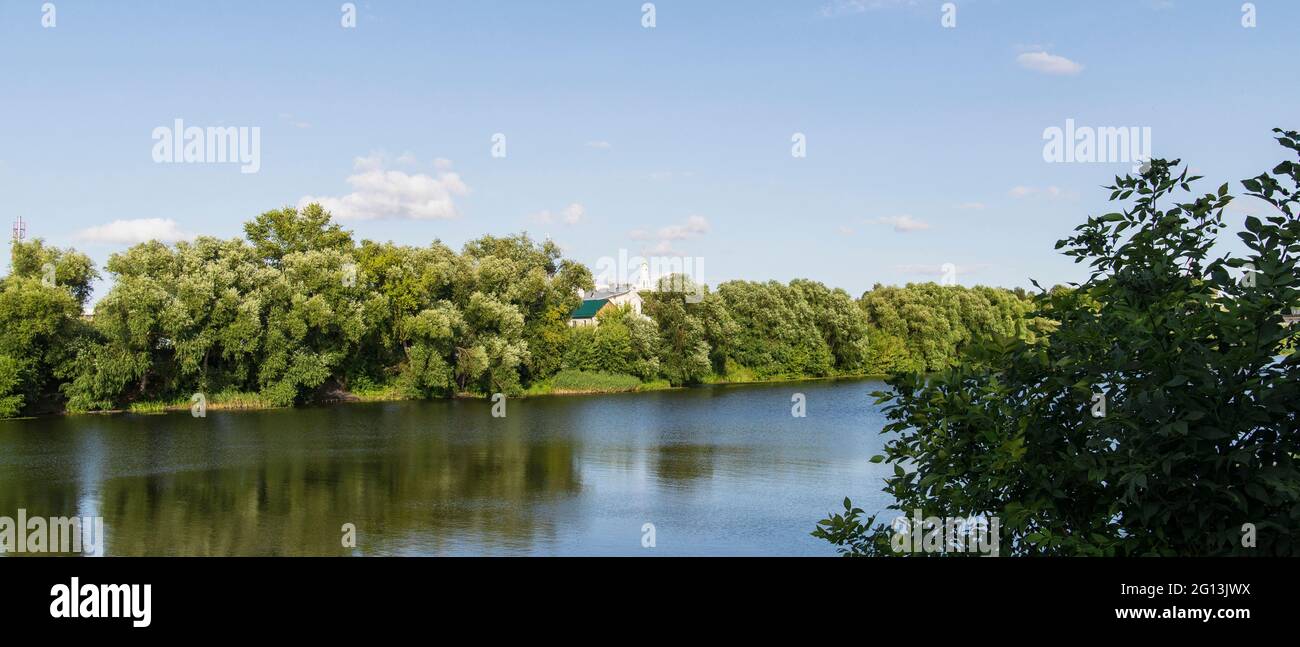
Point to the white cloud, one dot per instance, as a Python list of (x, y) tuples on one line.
[(976, 206), (1048, 192), (662, 248), (1048, 63), (130, 232), (839, 7), (381, 193), (694, 227), (600, 144), (902, 224), (369, 162), (1247, 204), (293, 121), (570, 215)]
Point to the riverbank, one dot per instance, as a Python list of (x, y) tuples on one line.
[(564, 383)]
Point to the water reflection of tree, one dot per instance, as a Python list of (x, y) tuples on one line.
[(683, 464), (407, 490), (296, 504)]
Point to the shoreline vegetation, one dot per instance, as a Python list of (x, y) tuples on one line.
[(578, 383), (297, 312), (1159, 416)]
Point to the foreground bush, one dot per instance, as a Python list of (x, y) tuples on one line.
[(1158, 419)]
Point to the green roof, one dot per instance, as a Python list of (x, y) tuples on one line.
[(588, 309)]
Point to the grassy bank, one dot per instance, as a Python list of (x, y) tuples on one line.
[(566, 382), (228, 401), (572, 382), (569, 382), (743, 375)]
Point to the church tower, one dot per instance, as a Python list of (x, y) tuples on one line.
[(643, 278)]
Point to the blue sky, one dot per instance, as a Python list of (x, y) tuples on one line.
[(924, 143)]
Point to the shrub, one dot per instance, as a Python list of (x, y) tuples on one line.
[(1199, 433)]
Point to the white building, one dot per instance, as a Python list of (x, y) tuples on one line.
[(593, 304), (615, 296)]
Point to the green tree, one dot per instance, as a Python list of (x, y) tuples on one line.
[(397, 283), (432, 340), (179, 319), (280, 232), (624, 342), (11, 397), (720, 330), (936, 324), (1196, 435), (71, 270), (41, 302), (840, 322), (315, 321), (777, 329), (683, 349), (541, 286)]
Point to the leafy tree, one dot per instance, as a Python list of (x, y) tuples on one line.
[(280, 232), (643, 359), (493, 345), (683, 351), (297, 311), (72, 270), (580, 349), (936, 324), (1198, 433), (839, 321), (778, 331), (432, 335), (720, 330), (11, 398), (38, 326), (888, 354), (623, 343), (314, 322), (179, 319), (41, 302), (397, 283)]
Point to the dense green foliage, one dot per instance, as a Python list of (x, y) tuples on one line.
[(1197, 434), (40, 324), (297, 311), (302, 309), (623, 343), (928, 327)]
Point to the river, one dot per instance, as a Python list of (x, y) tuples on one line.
[(718, 470)]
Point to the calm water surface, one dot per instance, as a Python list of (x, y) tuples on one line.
[(717, 470)]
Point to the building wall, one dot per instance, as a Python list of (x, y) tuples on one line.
[(632, 298)]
